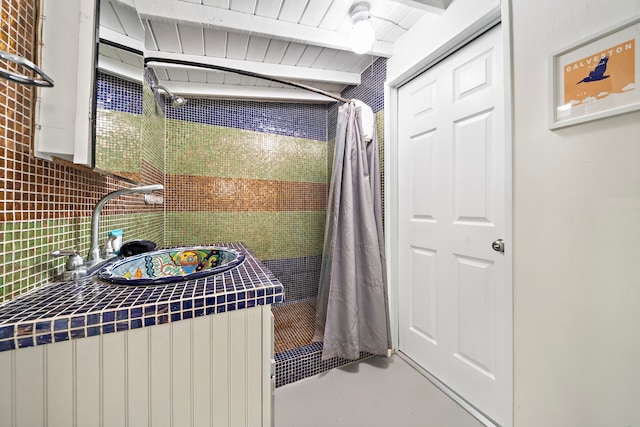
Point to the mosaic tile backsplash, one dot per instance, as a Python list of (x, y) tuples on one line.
[(47, 205)]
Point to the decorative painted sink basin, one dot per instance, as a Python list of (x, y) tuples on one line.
[(171, 265)]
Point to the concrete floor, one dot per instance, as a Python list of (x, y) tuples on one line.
[(378, 391)]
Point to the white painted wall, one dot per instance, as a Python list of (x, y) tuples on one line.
[(576, 235)]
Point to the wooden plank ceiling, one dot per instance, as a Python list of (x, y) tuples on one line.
[(305, 41)]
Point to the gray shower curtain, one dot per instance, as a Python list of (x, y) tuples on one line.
[(352, 313)]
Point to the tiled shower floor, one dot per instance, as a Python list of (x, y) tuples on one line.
[(296, 356), (294, 324)]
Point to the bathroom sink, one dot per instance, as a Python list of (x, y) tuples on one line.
[(171, 265)]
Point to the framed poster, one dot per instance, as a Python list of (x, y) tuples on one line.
[(597, 77)]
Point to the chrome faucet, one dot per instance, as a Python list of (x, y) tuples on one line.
[(94, 252), (76, 267)]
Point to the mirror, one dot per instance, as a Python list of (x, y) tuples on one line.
[(119, 92), (126, 130), (118, 123)]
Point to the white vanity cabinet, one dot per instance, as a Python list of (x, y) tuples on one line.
[(209, 370), (63, 112)]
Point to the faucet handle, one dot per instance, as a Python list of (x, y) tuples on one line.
[(63, 252), (74, 268), (109, 251)]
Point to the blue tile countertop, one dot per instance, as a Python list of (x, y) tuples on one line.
[(62, 311)]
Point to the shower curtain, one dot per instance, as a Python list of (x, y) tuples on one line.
[(352, 313)]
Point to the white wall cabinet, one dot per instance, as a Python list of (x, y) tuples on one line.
[(63, 112), (211, 370)]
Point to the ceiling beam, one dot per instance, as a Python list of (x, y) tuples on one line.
[(285, 72), (121, 39), (126, 71), (228, 20), (433, 6), (208, 90)]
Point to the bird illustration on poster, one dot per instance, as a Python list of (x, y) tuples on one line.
[(598, 73)]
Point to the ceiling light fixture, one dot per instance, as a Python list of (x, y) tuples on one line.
[(362, 35)]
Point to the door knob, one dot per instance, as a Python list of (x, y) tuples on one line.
[(498, 245)]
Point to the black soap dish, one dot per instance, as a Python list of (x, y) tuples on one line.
[(137, 247)]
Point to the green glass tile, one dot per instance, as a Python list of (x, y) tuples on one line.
[(206, 150), (331, 148), (152, 149), (118, 136), (271, 235)]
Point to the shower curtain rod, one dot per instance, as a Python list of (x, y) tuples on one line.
[(245, 73)]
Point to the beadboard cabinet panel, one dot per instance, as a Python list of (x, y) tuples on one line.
[(238, 379), (202, 384), (182, 349), (114, 380), (88, 404), (59, 383), (220, 377), (138, 377), (6, 387), (29, 386), (254, 370), (210, 370), (160, 382)]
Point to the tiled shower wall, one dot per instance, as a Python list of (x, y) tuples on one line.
[(118, 126), (152, 144), (305, 361), (46, 205), (371, 92), (259, 173), (253, 172), (236, 171)]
